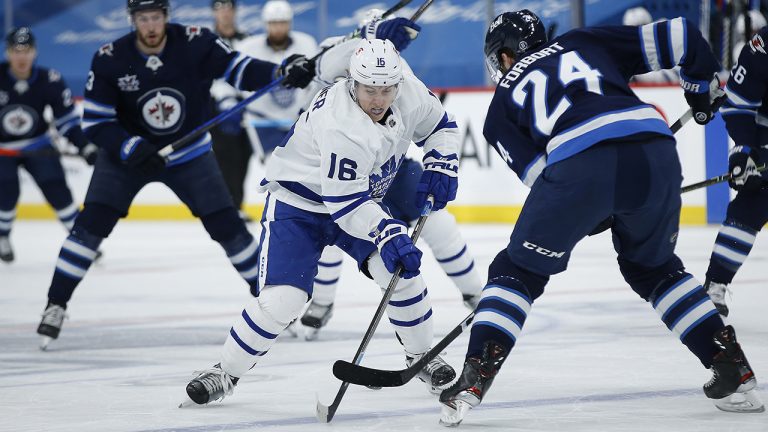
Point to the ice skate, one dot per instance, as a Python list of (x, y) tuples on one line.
[(471, 301), (210, 385), (475, 380), (732, 386), (50, 325), (6, 251), (315, 318), (436, 374), (717, 293)]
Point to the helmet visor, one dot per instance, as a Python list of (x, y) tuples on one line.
[(494, 68)]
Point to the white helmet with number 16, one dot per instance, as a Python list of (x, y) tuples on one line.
[(376, 62)]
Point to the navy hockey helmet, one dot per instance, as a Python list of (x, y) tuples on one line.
[(20, 37), (513, 33), (140, 5)]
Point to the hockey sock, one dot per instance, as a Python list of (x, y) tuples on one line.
[(500, 315), (76, 255), (409, 309), (68, 214), (327, 279), (732, 246), (226, 227), (258, 326), (450, 249), (685, 308), (6, 221)]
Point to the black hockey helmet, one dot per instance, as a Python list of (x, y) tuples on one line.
[(513, 33), (20, 37), (140, 5)]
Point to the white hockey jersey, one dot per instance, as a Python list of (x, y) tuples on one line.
[(338, 161), (281, 106)]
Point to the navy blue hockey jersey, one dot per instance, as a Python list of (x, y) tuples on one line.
[(745, 111), (22, 103), (161, 98), (571, 93)]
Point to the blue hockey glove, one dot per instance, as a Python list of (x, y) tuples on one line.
[(440, 179), (742, 165), (704, 97), (399, 31), (298, 71), (396, 248), (142, 156), (89, 153)]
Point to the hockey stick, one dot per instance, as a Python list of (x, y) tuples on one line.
[(715, 180), (361, 375), (676, 126), (213, 122), (325, 413)]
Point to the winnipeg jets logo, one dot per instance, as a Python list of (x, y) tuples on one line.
[(154, 63), (21, 87), (192, 32), (106, 49), (162, 110), (18, 120), (128, 83), (756, 44)]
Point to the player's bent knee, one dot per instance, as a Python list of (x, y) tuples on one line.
[(97, 219), (503, 268), (644, 280), (223, 225), (282, 303)]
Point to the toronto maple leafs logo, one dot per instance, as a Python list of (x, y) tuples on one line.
[(379, 184), (18, 120), (162, 110), (128, 83), (283, 97)]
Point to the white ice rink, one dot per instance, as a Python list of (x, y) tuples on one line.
[(592, 357)]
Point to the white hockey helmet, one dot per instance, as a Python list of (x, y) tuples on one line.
[(376, 62), (758, 22), (636, 16), (276, 10)]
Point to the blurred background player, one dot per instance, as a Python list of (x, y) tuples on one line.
[(325, 187), (746, 118), (441, 233), (143, 93), (230, 142), (564, 119), (273, 115), (26, 90)]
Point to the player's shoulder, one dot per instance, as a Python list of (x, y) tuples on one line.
[(113, 52), (756, 46), (303, 40), (50, 76), (190, 34)]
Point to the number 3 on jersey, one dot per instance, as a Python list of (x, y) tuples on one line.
[(572, 68), (346, 168)]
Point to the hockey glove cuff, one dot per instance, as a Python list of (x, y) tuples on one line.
[(396, 248), (742, 165), (89, 153), (297, 71), (399, 31), (141, 155), (440, 179), (703, 96)]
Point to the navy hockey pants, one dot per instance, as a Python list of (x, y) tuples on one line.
[(401, 195), (636, 182)]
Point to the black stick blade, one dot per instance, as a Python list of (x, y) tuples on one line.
[(361, 375)]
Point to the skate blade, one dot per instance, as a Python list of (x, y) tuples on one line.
[(746, 402), (188, 403), (452, 417), (311, 334), (44, 341), (291, 330)]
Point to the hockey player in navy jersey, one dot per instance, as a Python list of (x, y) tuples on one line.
[(144, 91), (565, 120), (746, 118), (325, 185), (26, 90)]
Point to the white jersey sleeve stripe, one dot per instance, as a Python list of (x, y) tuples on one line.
[(97, 108), (677, 39), (650, 52)]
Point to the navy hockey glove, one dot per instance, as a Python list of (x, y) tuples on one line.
[(704, 97), (399, 31), (396, 248), (142, 156), (89, 153), (742, 165), (440, 179), (298, 71)]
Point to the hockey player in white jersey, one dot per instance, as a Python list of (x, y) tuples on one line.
[(325, 186), (440, 232), (269, 118)]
